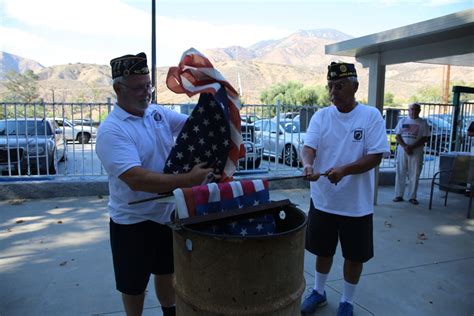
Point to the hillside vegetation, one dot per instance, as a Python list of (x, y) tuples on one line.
[(299, 57)]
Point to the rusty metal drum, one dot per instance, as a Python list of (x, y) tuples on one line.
[(233, 275)]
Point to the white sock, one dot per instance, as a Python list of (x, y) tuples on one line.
[(320, 282), (348, 293)]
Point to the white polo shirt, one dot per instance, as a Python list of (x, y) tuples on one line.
[(125, 141), (340, 139)]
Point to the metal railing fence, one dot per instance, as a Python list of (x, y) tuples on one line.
[(273, 136), (68, 147), (443, 137)]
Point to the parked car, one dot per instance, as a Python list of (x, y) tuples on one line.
[(440, 135), (29, 145), (392, 141), (249, 118), (86, 122), (283, 141), (288, 115), (73, 132), (253, 149)]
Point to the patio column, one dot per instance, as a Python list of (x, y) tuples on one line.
[(376, 79), (376, 93)]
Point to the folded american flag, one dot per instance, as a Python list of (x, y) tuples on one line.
[(195, 74), (220, 197)]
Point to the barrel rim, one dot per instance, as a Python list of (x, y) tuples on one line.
[(252, 237)]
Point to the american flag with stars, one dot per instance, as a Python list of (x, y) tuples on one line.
[(204, 137), (220, 197), (195, 74), (410, 130)]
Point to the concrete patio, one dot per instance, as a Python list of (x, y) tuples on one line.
[(55, 258)]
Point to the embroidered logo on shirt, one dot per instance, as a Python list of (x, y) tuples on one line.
[(157, 116), (358, 134)]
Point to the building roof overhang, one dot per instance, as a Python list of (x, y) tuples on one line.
[(447, 40)]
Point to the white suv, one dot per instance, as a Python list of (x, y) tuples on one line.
[(284, 141), (74, 132)]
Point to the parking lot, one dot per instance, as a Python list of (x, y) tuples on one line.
[(259, 133), (82, 161)]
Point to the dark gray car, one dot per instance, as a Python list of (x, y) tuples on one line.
[(30, 146)]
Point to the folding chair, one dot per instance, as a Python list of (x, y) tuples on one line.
[(460, 177)]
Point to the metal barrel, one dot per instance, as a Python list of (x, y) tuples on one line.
[(233, 275)]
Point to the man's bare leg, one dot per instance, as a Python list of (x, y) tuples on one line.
[(323, 264), (165, 290), (352, 271), (133, 304)]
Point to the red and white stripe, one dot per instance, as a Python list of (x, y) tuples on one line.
[(195, 74), (187, 198)]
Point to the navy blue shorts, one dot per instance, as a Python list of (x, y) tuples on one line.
[(355, 233), (139, 250)]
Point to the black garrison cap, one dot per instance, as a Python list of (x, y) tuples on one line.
[(129, 65), (341, 70)]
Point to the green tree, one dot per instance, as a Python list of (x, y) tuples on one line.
[(432, 94), (389, 99), (81, 97), (294, 93), (427, 94), (285, 93), (21, 87), (465, 97), (307, 96), (323, 96)]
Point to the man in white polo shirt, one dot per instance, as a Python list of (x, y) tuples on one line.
[(133, 144), (346, 141)]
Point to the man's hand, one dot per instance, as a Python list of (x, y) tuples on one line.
[(335, 174), (309, 174), (408, 150), (200, 175)]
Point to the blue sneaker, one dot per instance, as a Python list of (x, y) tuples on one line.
[(345, 309), (313, 301)]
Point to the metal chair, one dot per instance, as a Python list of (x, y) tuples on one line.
[(460, 177)]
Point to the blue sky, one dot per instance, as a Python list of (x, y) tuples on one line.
[(94, 31)]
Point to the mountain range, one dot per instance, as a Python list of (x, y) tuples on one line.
[(297, 57)]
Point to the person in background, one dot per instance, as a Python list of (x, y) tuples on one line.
[(345, 141), (412, 134), (133, 144)]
